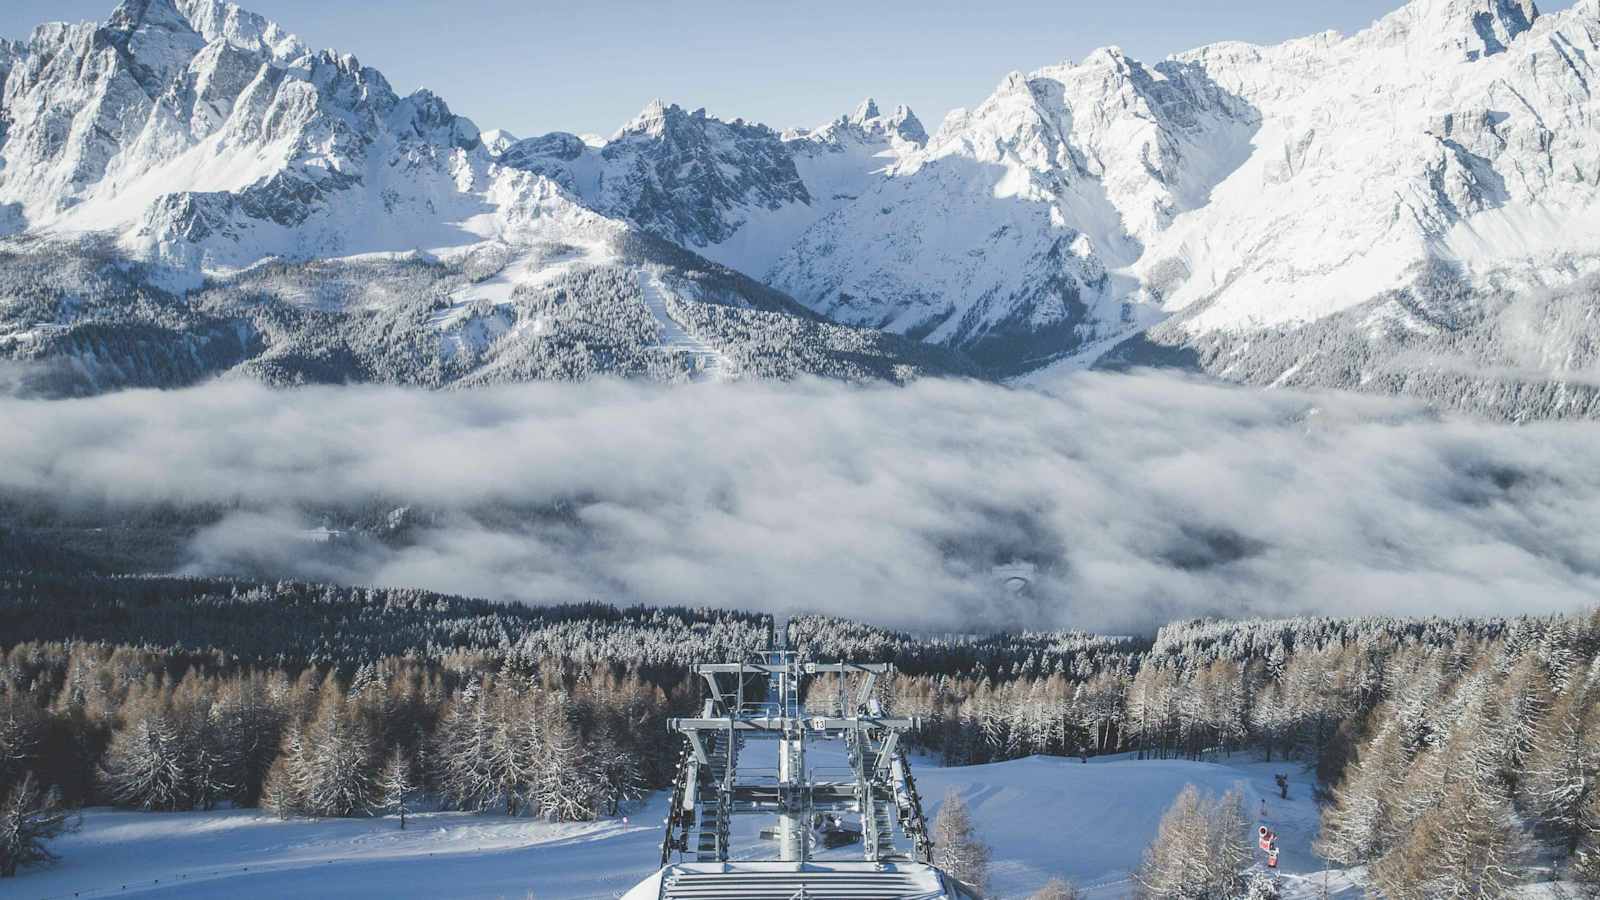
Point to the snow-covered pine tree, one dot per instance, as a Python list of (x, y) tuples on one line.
[(1201, 849), (1528, 699), (1586, 862), (463, 749), (621, 774), (337, 775), (1585, 868), (1562, 773), (1356, 826), (957, 848), (29, 818), (249, 731), (516, 747), (21, 729), (280, 791), (567, 785), (144, 765), (1270, 718), (1228, 844), (204, 765), (396, 784), (1175, 866), (1263, 887), (1468, 842)]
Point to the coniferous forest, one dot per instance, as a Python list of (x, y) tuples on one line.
[(1446, 752)]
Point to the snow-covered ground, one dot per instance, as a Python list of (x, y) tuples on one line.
[(709, 362), (243, 853), (1090, 822), (478, 313), (1044, 817)]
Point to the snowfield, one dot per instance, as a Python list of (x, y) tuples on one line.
[(246, 853), (1090, 822), (1043, 817)]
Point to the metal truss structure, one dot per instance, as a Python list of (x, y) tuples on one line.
[(761, 701)]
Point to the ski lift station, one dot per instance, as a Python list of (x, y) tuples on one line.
[(842, 816)]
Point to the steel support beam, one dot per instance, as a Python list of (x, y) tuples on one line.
[(780, 723)]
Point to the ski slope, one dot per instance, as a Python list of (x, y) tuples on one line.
[(709, 363), (1044, 817)]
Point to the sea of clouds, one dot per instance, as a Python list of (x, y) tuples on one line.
[(1129, 500)]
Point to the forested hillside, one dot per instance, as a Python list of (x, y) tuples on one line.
[(327, 625), (86, 320), (170, 693)]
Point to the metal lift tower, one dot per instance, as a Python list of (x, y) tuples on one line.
[(761, 701)]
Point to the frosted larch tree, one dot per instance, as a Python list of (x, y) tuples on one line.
[(957, 849)]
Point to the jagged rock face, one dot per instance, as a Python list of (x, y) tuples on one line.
[(866, 125), (206, 135), (1457, 29), (998, 235), (561, 157), (1231, 188), (1213, 202), (1400, 145), (735, 192), (685, 175), (11, 53), (190, 137), (218, 20)]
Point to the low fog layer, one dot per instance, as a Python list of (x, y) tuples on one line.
[(1128, 500)]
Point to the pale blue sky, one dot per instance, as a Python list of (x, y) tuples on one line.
[(530, 66)]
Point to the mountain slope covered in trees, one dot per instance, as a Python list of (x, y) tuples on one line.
[(1407, 727)]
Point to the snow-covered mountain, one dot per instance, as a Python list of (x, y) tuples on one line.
[(1411, 208), (1004, 232), (1235, 193), (735, 192), (205, 136), (198, 141)]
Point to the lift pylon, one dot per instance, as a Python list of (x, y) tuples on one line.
[(761, 700)]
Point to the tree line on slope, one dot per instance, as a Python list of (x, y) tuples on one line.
[(93, 321), (168, 730), (1452, 755), (1512, 355), (284, 623), (1398, 718)]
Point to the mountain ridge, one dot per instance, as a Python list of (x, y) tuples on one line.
[(1224, 197)]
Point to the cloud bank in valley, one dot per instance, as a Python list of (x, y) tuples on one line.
[(1135, 499)]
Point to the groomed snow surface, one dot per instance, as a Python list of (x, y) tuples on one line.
[(1044, 817)]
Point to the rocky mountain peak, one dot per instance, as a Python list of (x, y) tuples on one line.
[(1110, 56), (868, 109), (498, 140), (217, 19), (867, 124), (905, 123), (427, 117), (11, 53), (687, 175), (157, 39), (652, 120), (134, 15), (1455, 29)]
